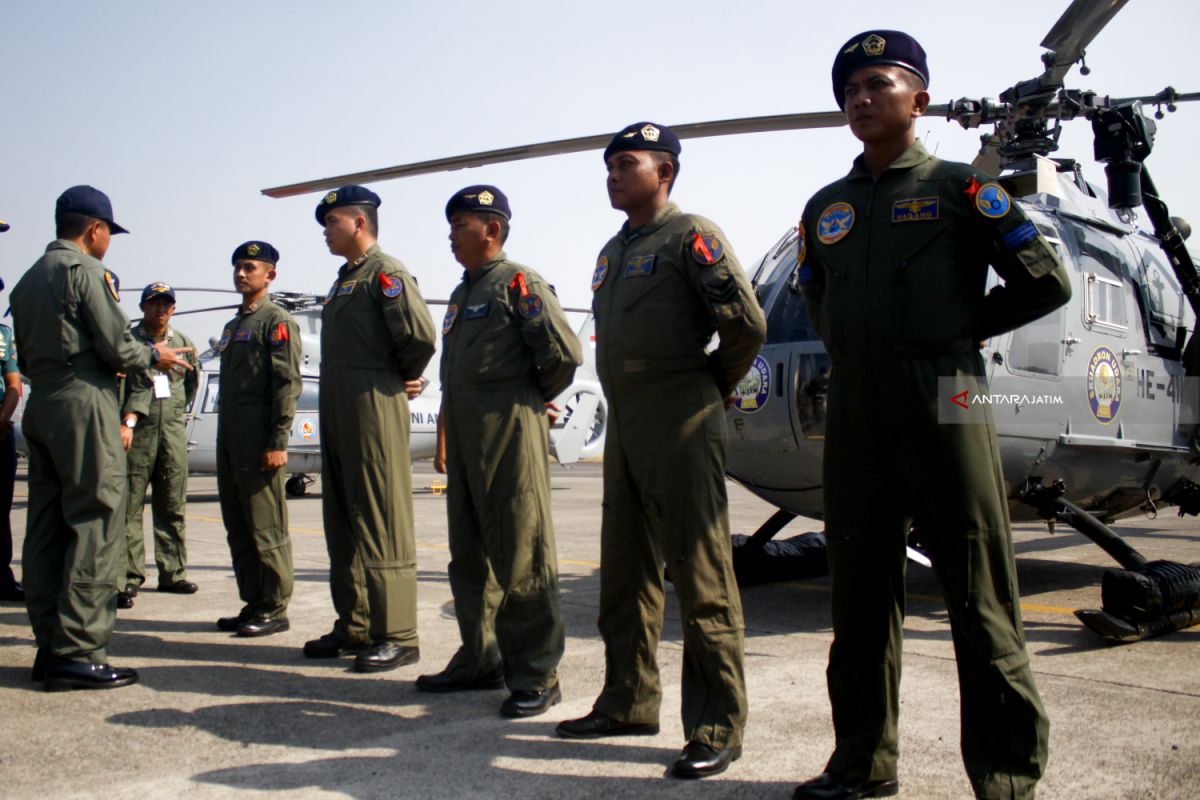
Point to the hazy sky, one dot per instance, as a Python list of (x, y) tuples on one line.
[(183, 112)]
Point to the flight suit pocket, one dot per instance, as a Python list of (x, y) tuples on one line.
[(926, 288)]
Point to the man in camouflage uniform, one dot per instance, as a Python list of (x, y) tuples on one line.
[(74, 340), (662, 287), (260, 381), (507, 351), (376, 333), (893, 264), (153, 410)]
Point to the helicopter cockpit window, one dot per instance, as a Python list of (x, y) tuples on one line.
[(781, 298), (1104, 271), (210, 395), (1106, 302)]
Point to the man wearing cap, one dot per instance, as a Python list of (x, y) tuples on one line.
[(74, 340), (376, 334), (260, 381), (10, 589), (893, 263), (154, 433), (661, 288), (507, 350)]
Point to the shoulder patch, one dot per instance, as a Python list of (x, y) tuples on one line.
[(707, 249), (113, 283), (448, 320), (835, 222), (279, 335), (600, 273), (226, 335), (389, 286), (531, 306), (992, 201)]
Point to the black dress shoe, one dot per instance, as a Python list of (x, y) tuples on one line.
[(179, 587), (39, 665), (384, 656), (530, 703), (125, 600), (831, 786), (12, 593), (331, 646), (447, 681), (63, 675), (595, 725), (263, 626), (699, 760), (231, 624)]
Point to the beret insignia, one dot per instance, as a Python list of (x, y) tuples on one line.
[(650, 133), (253, 250), (330, 198), (486, 198), (874, 45)]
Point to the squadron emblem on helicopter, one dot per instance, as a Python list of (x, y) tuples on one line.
[(1104, 385)]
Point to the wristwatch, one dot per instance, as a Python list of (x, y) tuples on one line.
[(131, 423)]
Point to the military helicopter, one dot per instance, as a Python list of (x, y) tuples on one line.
[(1095, 411)]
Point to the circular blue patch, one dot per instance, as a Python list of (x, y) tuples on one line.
[(448, 321), (992, 201), (531, 306), (600, 274), (835, 222), (751, 394), (1104, 385)]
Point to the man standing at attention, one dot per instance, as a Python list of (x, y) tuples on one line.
[(893, 262), (376, 333), (662, 287), (10, 587), (260, 381), (154, 433), (507, 351), (74, 340)]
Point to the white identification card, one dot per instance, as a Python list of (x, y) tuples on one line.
[(162, 387)]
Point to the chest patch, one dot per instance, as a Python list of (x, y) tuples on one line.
[(639, 267), (915, 209), (226, 335), (601, 273), (835, 222), (992, 201), (389, 286), (345, 288), (448, 320), (707, 249), (476, 310), (242, 335)]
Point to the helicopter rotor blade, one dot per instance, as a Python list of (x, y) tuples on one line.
[(693, 130), (1076, 28)]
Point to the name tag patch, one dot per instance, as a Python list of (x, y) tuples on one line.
[(242, 336), (476, 311), (345, 288), (639, 267), (915, 209)]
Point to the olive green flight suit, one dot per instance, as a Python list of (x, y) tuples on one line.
[(893, 271), (507, 350), (73, 338), (376, 333), (260, 381), (158, 458), (660, 292)]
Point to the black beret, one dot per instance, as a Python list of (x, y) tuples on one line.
[(643, 136), (481, 197), (3, 226), (877, 47), (257, 251), (89, 202), (158, 289), (350, 195)]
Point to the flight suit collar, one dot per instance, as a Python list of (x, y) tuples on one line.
[(350, 266), (63, 244), (486, 267), (665, 214), (915, 155), (255, 306)]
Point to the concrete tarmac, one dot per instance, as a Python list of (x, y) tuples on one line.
[(218, 716)]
